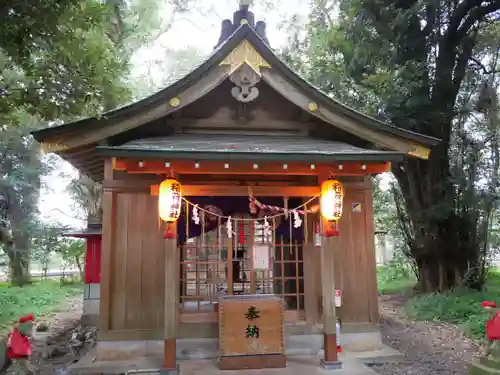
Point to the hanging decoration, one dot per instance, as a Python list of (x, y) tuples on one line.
[(196, 217), (280, 211), (229, 227), (285, 201), (170, 200), (252, 207), (332, 196), (267, 230), (297, 221)]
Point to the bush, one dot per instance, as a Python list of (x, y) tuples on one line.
[(396, 277)]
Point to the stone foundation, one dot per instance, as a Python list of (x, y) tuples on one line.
[(91, 299), (208, 348)]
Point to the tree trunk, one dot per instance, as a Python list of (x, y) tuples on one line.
[(441, 238), (19, 272)]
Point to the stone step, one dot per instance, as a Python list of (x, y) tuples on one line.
[(476, 368), (295, 345)]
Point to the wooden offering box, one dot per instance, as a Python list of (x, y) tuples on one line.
[(251, 332)]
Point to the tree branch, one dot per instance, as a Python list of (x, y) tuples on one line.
[(462, 61), (476, 15), (484, 68)]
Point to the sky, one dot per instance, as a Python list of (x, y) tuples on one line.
[(200, 29)]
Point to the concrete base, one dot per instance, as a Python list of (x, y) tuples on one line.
[(90, 320), (336, 365), (166, 371), (352, 364), (154, 371), (208, 348), (91, 301)]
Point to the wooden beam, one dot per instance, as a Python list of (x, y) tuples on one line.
[(242, 191), (266, 168)]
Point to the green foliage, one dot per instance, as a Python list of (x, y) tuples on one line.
[(396, 277), (39, 298), (72, 252), (399, 62), (70, 70), (460, 306), (57, 63)]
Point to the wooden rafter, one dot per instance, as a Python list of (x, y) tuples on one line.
[(265, 168)]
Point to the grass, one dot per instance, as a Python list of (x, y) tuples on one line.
[(39, 298), (461, 306)]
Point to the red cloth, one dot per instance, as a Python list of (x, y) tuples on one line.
[(19, 346), (493, 327)]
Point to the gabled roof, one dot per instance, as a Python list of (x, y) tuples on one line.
[(233, 147), (244, 46)]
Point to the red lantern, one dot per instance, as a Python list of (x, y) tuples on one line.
[(170, 200), (332, 197)]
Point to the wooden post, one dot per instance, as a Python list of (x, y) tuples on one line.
[(171, 321), (107, 249), (311, 286), (328, 246)]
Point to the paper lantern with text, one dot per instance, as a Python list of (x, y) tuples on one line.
[(170, 200), (332, 197)]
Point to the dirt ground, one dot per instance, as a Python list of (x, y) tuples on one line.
[(429, 347)]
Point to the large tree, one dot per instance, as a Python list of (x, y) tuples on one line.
[(415, 64), (57, 62)]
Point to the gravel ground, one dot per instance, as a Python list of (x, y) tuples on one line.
[(429, 347)]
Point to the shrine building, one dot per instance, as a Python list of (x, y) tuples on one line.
[(237, 213)]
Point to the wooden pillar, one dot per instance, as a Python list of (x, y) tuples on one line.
[(107, 249), (311, 286), (171, 317), (329, 244)]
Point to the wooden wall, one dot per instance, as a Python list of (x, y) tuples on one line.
[(138, 258), (132, 293), (355, 268)]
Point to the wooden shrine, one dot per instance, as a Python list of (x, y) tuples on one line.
[(241, 179)]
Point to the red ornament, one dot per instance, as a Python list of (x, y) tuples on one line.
[(169, 233), (332, 233)]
